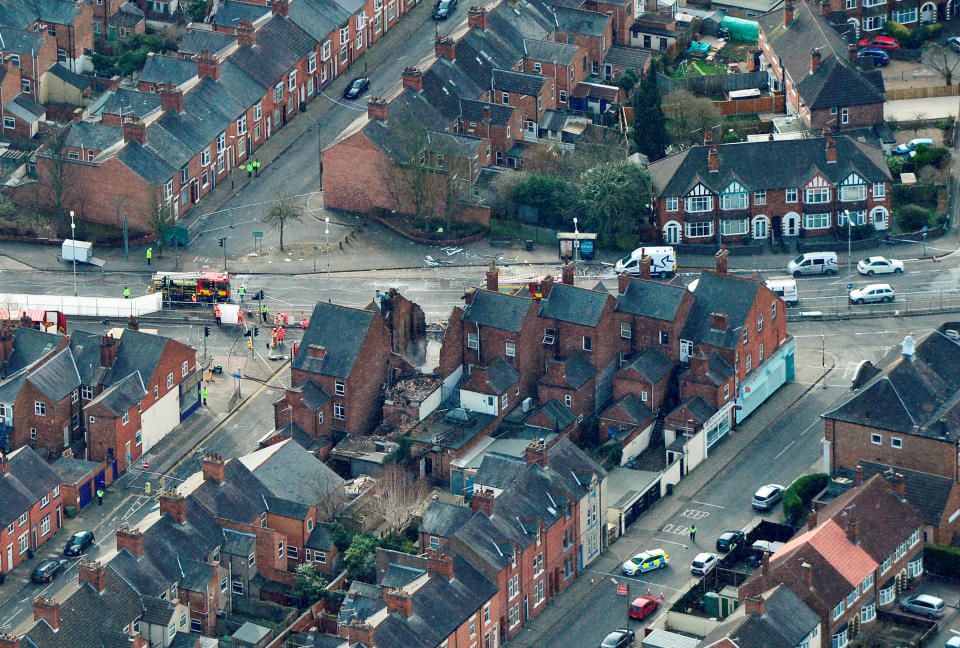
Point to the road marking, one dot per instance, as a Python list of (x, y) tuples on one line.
[(694, 514), (708, 504), (784, 450), (679, 544)]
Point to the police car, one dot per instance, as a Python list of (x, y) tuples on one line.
[(643, 562)]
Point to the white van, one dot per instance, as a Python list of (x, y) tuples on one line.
[(663, 261), (785, 289), (813, 263)]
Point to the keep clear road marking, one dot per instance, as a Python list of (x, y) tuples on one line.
[(708, 504)]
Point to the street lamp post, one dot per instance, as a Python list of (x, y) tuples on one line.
[(73, 244), (326, 235), (576, 241), (823, 353), (846, 213)]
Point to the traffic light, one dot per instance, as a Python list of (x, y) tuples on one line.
[(206, 331), (256, 331), (247, 333), (260, 295), (222, 241), (249, 344)]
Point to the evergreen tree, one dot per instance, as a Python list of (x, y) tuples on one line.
[(649, 123)]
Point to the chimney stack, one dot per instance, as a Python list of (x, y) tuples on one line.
[(814, 59), (720, 259), (852, 54), (482, 500), (568, 272), (446, 48), (812, 520), (316, 351), (377, 108), (6, 342), (900, 486), (245, 33), (48, 610), (825, 8), (493, 277), (708, 138), (131, 540), (643, 265), (108, 351), (134, 130), (438, 563), (852, 529), (718, 321), (91, 571), (133, 324), (623, 282), (477, 17), (754, 604), (765, 563), (359, 632), (699, 364), (858, 476), (281, 7), (413, 78), (208, 66), (713, 159), (400, 602), (77, 115), (9, 641), (809, 571), (546, 286), (788, 13), (173, 504), (214, 467), (536, 453), (831, 150), (4, 463)]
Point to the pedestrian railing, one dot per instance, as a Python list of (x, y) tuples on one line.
[(912, 303)]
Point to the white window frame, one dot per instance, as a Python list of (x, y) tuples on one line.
[(816, 195), (698, 229), (39, 408), (733, 201), (473, 341), (625, 331), (879, 190), (339, 411), (896, 443), (876, 439), (169, 381), (698, 204), (510, 349), (737, 227), (816, 221), (672, 203), (339, 388)]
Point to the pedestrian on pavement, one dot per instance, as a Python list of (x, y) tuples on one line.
[(216, 312), (149, 254), (256, 167), (273, 339), (242, 292), (693, 533), (249, 169), (126, 292), (100, 496), (203, 392), (265, 313)]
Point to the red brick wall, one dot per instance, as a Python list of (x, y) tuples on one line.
[(632, 383), (565, 77), (861, 116), (174, 355), (645, 331), (269, 562), (949, 532), (569, 337), (621, 15), (581, 400), (108, 432), (690, 386), (49, 427), (595, 48), (353, 176), (34, 515), (295, 535)]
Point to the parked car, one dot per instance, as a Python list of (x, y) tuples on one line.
[(767, 496), (883, 42), (813, 263), (924, 605), (880, 58), (952, 642), (47, 569), (444, 9), (703, 562), (356, 88), (729, 540), (908, 147), (642, 607), (645, 561), (872, 294), (619, 638), (954, 44), (879, 265), (785, 289), (78, 543)]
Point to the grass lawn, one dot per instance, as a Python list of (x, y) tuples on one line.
[(704, 68)]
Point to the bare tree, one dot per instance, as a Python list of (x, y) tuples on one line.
[(937, 59), (396, 495), (159, 216), (689, 117), (58, 176), (332, 498), (283, 210), (916, 121)]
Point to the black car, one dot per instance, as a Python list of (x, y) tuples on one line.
[(619, 638), (356, 88), (78, 543), (47, 569), (729, 540), (444, 9)]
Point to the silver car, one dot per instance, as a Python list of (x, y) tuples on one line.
[(872, 294), (924, 605)]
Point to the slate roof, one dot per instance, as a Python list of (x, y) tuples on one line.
[(792, 44), (837, 83), (577, 369), (128, 14), (66, 75), (86, 354), (293, 473), (518, 82), (632, 406), (722, 293), (93, 135), (549, 51), (572, 304), (501, 375), (554, 410), (85, 613), (313, 396), (72, 471), (629, 57), (472, 111), (29, 345), (131, 102), (57, 377), (499, 470), (479, 52), (281, 31), (928, 493), (515, 22), (494, 309), (26, 108), (442, 519), (240, 498), (396, 576), (580, 21), (383, 135), (651, 299), (341, 330), (196, 575), (321, 538), (286, 508), (161, 69), (573, 465), (55, 11), (28, 479), (318, 17), (237, 543), (157, 611), (756, 165), (652, 364), (10, 387), (20, 41), (230, 13), (122, 396), (699, 408), (445, 84), (198, 41), (786, 621), (911, 397), (137, 351), (239, 85)]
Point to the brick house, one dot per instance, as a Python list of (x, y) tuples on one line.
[(493, 390), (712, 194), (650, 314), (621, 16), (30, 505), (626, 418), (855, 556), (337, 374), (811, 62), (570, 381), (69, 23), (776, 617), (653, 31), (648, 377), (530, 94), (591, 30), (902, 416), (501, 125), (557, 61), (868, 17), (113, 421)]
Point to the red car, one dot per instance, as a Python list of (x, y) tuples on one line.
[(883, 42), (642, 607)]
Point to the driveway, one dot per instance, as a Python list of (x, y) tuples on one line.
[(907, 109)]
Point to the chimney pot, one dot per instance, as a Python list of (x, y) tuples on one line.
[(91, 571), (482, 500), (131, 540), (536, 453), (245, 33), (438, 563), (623, 282), (754, 604), (377, 109), (9, 641), (477, 17), (208, 66), (493, 277), (718, 321), (720, 259), (445, 47), (399, 601), (413, 78), (812, 519), (858, 477), (134, 130), (47, 609), (173, 504), (568, 272), (900, 486), (788, 13), (814, 59)]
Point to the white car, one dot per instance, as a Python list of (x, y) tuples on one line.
[(767, 496), (874, 293), (879, 265), (952, 642), (703, 563)]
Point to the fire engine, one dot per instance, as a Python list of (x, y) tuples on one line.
[(531, 285), (204, 286)]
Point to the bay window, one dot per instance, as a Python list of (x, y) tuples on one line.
[(816, 221), (850, 193), (698, 203), (733, 201), (734, 227), (815, 196), (699, 230)]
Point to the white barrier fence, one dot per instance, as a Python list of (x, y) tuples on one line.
[(86, 306)]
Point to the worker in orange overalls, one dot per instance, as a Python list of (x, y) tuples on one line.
[(216, 312), (281, 335)]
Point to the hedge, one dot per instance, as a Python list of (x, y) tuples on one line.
[(942, 560), (801, 492)]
